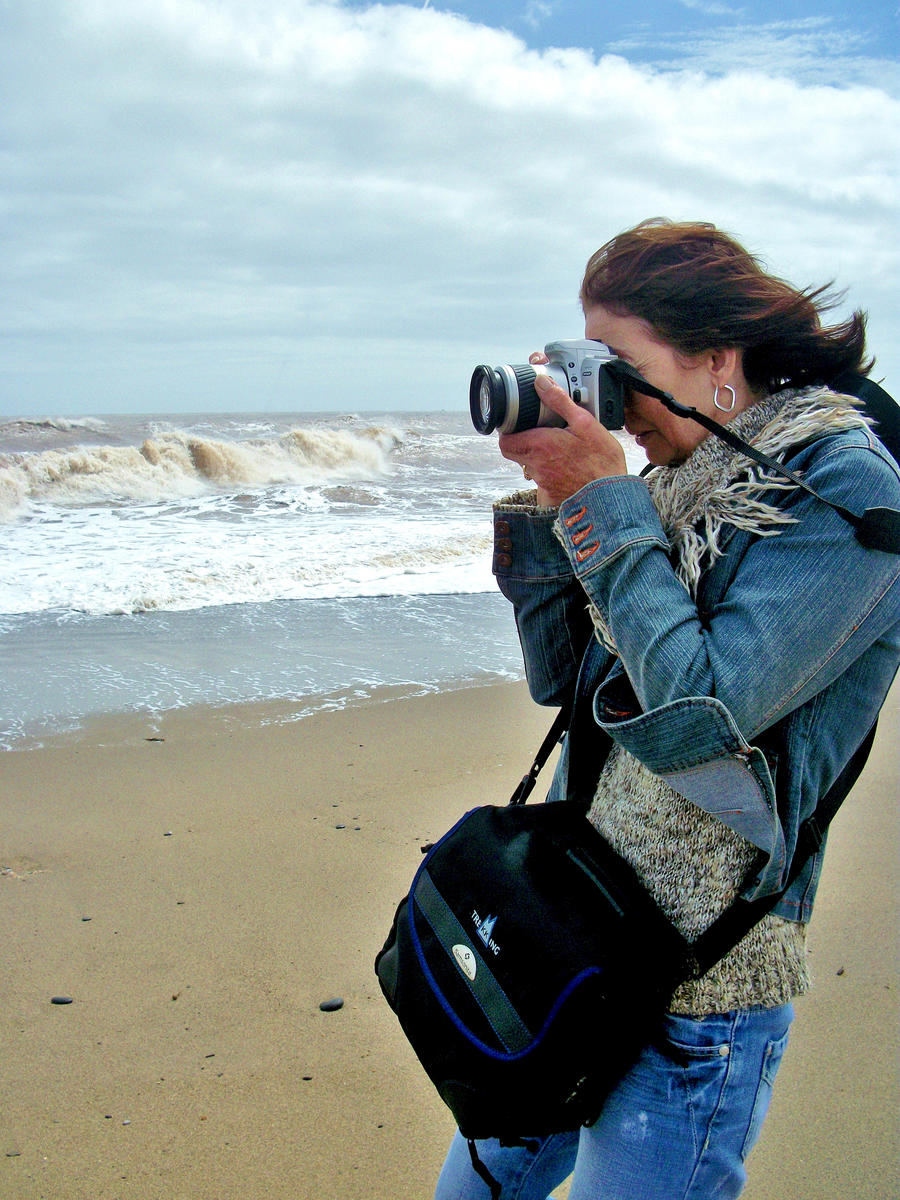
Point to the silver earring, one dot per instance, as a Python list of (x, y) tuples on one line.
[(725, 407)]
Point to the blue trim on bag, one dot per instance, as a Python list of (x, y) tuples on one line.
[(500, 1013), (501, 1056)]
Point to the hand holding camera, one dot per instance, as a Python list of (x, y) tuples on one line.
[(505, 398), (562, 460), (554, 415)]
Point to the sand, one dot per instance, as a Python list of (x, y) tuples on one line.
[(198, 884)]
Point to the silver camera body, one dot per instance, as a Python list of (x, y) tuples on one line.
[(504, 397)]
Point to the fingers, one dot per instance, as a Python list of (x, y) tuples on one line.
[(558, 400), (515, 446)]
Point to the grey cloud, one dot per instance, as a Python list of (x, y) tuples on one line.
[(205, 193)]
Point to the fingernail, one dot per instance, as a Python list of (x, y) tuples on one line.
[(542, 381)]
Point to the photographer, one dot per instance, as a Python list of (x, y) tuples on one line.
[(733, 637)]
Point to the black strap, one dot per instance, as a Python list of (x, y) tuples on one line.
[(557, 729), (481, 1170), (876, 528), (739, 918), (881, 407)]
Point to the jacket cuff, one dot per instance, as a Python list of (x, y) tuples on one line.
[(605, 519), (695, 746), (525, 545)]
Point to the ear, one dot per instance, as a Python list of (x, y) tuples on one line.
[(724, 364)]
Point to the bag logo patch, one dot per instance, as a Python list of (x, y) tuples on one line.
[(485, 929), (466, 960)]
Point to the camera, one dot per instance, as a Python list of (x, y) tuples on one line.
[(504, 397)]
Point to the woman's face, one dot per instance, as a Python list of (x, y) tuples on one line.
[(665, 438)]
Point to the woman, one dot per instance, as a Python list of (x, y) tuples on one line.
[(736, 641)]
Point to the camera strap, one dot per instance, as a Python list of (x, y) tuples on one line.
[(876, 528)]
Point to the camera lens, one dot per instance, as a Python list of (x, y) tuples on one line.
[(487, 399), (504, 398)]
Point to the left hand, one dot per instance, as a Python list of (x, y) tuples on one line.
[(562, 461)]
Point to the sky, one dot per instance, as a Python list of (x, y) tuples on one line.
[(251, 205)]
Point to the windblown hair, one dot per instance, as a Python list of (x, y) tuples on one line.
[(698, 289)]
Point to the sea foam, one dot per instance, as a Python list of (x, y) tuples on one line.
[(178, 464)]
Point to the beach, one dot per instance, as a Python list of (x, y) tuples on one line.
[(198, 881)]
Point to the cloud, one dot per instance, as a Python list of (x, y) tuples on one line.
[(216, 204), (710, 9), (537, 12), (813, 50)]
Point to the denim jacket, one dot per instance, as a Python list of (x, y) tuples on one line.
[(748, 702)]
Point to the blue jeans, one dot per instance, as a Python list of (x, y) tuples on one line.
[(679, 1126)]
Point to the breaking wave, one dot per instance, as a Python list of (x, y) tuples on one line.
[(177, 464), (27, 425)]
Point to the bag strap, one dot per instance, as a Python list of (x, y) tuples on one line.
[(741, 915), (527, 782), (739, 918), (878, 404)]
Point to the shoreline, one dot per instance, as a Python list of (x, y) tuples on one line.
[(199, 894), (132, 726), (60, 672)]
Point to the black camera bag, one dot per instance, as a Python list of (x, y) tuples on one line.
[(522, 934), (528, 966)]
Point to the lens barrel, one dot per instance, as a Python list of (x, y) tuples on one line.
[(504, 398), (487, 399)]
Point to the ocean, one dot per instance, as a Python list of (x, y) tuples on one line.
[(153, 562)]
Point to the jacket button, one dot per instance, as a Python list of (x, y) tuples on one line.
[(503, 544), (501, 528), (504, 560)]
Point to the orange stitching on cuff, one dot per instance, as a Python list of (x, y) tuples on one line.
[(570, 521), (581, 555), (578, 538)]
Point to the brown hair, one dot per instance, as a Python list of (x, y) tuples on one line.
[(699, 289)]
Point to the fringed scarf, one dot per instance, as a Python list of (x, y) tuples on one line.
[(718, 490)]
